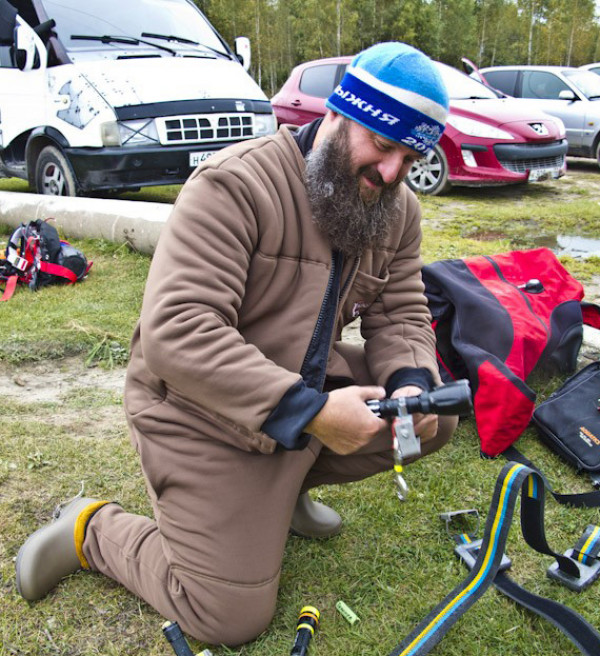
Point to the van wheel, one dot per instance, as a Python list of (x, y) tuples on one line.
[(53, 174), (430, 175)]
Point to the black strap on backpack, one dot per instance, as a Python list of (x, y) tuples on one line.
[(488, 562), (580, 500)]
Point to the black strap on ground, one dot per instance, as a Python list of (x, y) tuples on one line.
[(489, 560), (577, 629), (582, 500)]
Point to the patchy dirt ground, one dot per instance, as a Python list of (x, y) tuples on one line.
[(55, 382)]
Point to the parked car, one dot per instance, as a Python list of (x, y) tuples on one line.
[(569, 93), (107, 94), (594, 68), (488, 140)]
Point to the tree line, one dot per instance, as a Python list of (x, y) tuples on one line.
[(285, 33)]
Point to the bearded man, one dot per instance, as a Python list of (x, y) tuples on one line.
[(240, 393)]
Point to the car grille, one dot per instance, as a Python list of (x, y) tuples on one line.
[(524, 165), (520, 158), (207, 128)]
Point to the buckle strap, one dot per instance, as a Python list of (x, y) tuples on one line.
[(585, 557), (487, 564), (588, 546), (486, 560)]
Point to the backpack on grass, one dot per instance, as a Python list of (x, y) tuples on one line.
[(36, 256), (496, 319)]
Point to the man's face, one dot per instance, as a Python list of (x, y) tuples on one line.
[(352, 179), (379, 163)]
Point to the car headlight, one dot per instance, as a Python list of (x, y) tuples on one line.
[(264, 124), (562, 132), (473, 128)]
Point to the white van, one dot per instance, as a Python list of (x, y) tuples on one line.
[(119, 94)]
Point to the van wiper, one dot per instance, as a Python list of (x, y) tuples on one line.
[(180, 39), (129, 40), (170, 37)]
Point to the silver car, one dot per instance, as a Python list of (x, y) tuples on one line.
[(572, 94)]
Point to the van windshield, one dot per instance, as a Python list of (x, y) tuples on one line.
[(177, 21)]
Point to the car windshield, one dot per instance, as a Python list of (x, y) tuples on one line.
[(111, 24), (463, 87), (586, 81)]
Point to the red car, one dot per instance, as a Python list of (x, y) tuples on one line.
[(489, 139)]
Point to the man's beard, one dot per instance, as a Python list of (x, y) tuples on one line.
[(352, 224)]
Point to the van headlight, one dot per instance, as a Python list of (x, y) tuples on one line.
[(473, 128), (264, 124), (110, 135), (139, 132)]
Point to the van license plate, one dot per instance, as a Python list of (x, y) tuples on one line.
[(197, 158), (539, 175)]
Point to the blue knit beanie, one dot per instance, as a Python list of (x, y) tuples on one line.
[(396, 91)]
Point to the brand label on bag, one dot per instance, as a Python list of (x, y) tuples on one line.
[(588, 437)]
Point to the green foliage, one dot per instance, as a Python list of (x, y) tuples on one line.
[(287, 32)]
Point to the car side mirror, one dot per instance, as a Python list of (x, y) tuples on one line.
[(29, 51), (242, 50), (567, 94)]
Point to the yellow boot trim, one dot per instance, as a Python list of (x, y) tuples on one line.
[(79, 531)]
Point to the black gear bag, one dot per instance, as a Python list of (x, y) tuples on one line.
[(569, 421)]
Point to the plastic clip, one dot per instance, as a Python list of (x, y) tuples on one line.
[(587, 573), (469, 551), (585, 556)]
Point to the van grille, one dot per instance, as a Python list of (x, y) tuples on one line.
[(205, 128), (524, 165)]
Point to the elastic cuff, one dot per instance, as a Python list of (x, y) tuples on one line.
[(80, 525), (295, 410), (418, 376)]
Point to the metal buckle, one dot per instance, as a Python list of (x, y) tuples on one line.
[(406, 443), (587, 573), (451, 516)]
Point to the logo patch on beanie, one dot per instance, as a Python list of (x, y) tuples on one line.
[(427, 134)]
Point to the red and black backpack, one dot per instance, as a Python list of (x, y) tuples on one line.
[(36, 256), (497, 319)]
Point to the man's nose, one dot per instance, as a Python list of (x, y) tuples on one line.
[(391, 167)]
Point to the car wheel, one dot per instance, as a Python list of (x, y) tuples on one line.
[(53, 174), (430, 175), (598, 152)]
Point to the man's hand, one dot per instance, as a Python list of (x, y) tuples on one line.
[(345, 422), (426, 426)]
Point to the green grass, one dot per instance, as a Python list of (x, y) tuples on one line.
[(95, 314), (391, 564)]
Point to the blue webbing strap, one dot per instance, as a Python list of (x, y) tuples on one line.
[(513, 478)]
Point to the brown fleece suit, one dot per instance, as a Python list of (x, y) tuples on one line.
[(231, 303)]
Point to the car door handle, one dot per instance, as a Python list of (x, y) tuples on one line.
[(296, 103)]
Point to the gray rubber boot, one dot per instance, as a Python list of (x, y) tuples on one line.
[(312, 519), (49, 554)]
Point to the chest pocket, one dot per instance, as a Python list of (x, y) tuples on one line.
[(364, 291)]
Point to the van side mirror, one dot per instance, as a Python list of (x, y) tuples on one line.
[(29, 49), (242, 50), (567, 94)]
